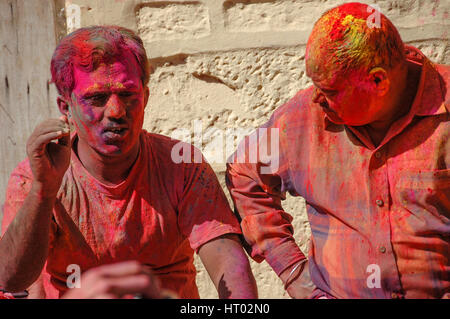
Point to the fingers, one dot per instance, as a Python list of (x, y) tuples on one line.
[(118, 280), (52, 125), (38, 146), (47, 131), (120, 286), (117, 270), (65, 139)]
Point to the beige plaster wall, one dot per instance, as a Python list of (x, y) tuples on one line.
[(29, 31), (230, 63)]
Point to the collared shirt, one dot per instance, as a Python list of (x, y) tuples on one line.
[(379, 216), (159, 216)]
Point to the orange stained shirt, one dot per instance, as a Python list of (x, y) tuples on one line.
[(159, 216), (379, 215)]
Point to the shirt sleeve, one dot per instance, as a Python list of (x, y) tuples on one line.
[(203, 209), (257, 188)]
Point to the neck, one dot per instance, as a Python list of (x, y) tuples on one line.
[(378, 130), (109, 170)]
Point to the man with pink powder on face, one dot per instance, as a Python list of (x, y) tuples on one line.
[(107, 192)]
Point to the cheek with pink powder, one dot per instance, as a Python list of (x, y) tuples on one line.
[(355, 103), (83, 118)]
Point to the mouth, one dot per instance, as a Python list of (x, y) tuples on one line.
[(332, 115), (116, 132), (326, 108), (324, 105)]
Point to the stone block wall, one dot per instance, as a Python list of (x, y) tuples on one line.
[(29, 31), (228, 64)]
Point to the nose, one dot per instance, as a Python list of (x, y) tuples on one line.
[(316, 95), (319, 98), (114, 108)]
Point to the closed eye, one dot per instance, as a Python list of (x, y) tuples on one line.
[(96, 97), (126, 94), (329, 92)]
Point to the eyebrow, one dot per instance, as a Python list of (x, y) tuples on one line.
[(327, 89), (324, 88), (106, 89)]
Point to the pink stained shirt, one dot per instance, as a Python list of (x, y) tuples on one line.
[(379, 216), (159, 215)]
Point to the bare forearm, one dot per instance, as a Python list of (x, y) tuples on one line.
[(237, 283), (24, 247), (229, 268)]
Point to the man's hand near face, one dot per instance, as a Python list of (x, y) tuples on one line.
[(49, 160), (24, 246)]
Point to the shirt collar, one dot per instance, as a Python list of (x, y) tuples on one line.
[(430, 95)]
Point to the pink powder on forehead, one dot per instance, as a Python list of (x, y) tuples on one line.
[(87, 48)]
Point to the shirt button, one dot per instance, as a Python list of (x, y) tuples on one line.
[(378, 155), (382, 249), (379, 202)]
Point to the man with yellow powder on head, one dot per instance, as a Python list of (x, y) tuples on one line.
[(367, 147)]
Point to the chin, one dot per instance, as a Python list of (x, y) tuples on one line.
[(111, 150), (355, 123), (352, 121), (336, 120)]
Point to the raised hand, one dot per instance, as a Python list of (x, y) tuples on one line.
[(49, 160)]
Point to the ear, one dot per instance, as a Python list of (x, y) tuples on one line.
[(146, 95), (63, 106), (380, 81)]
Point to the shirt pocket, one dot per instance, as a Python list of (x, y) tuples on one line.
[(426, 194)]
